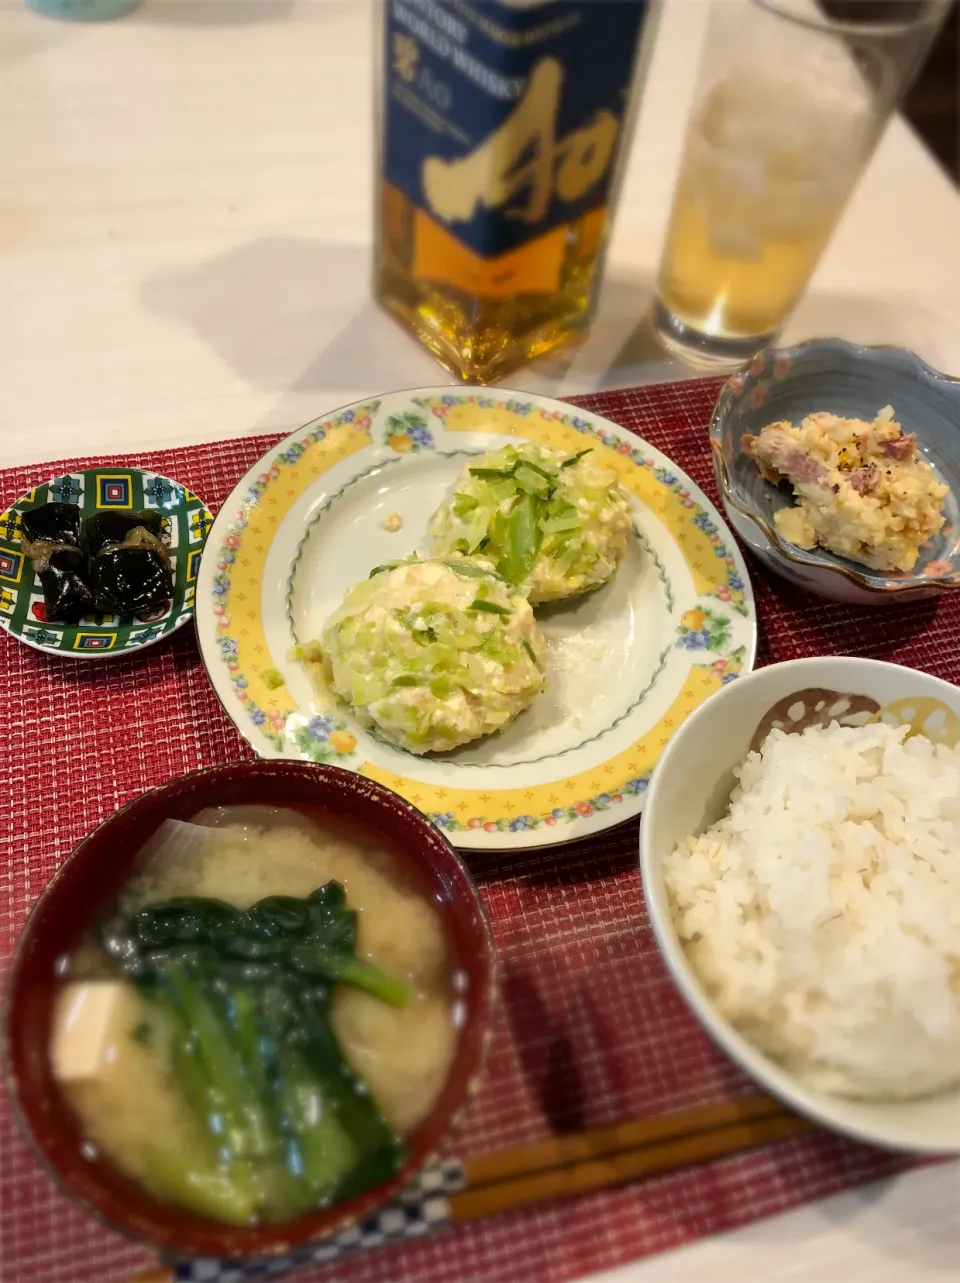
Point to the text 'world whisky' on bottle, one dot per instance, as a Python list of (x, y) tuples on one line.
[(503, 127)]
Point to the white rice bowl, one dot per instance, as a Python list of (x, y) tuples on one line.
[(822, 913)]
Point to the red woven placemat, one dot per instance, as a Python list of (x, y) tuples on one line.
[(591, 1029)]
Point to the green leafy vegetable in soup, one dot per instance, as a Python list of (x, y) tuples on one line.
[(264, 1017), (555, 523), (243, 1002)]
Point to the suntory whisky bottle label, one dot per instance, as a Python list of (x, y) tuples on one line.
[(502, 124)]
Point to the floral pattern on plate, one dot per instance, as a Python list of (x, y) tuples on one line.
[(407, 433), (307, 515)]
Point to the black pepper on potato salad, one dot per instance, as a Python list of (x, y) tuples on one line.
[(554, 523)]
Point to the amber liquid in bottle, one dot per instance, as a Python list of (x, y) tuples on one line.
[(483, 339), (498, 259)]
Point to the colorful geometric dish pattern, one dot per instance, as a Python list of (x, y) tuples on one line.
[(186, 522)]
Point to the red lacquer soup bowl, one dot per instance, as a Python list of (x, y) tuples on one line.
[(85, 887)]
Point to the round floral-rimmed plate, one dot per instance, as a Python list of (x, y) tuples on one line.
[(186, 522), (626, 664)]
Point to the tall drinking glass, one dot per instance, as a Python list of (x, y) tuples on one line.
[(793, 97)]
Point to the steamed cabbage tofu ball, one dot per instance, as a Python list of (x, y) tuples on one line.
[(555, 523), (433, 654)]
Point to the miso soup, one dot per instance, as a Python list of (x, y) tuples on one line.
[(266, 1014)]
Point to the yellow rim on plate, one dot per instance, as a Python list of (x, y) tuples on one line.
[(690, 605)]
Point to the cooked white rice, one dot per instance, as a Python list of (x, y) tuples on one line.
[(822, 914)]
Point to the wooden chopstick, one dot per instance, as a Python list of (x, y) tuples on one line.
[(561, 1151), (624, 1165), (564, 1165)]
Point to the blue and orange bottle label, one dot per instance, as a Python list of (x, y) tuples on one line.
[(503, 126)]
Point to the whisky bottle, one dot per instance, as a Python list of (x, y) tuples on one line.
[(503, 125)]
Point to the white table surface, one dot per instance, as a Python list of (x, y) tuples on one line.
[(185, 239)]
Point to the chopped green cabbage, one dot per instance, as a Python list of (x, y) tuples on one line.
[(554, 524), (435, 653)]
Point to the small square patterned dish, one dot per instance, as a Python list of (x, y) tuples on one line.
[(786, 392), (55, 545)]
